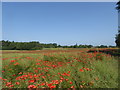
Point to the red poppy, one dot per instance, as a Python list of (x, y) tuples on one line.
[(8, 83), (16, 63), (42, 84), (72, 86), (17, 83), (31, 86), (11, 85), (70, 82), (53, 86), (12, 61), (49, 85), (31, 81), (43, 77), (81, 86), (81, 70)]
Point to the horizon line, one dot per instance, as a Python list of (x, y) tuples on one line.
[(56, 43)]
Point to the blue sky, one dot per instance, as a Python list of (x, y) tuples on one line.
[(64, 23)]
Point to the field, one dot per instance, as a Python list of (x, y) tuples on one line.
[(59, 68)]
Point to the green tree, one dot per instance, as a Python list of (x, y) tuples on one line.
[(12, 46), (117, 41)]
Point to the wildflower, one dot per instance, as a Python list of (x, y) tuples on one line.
[(35, 75), (66, 79), (55, 81), (24, 75), (20, 73), (12, 61), (31, 81), (72, 87), (61, 80), (17, 83), (69, 71), (43, 77), (49, 85), (36, 71), (58, 73), (30, 76), (11, 85), (4, 79), (54, 66), (38, 68), (37, 63), (48, 74), (53, 86), (65, 74), (8, 83), (81, 86), (31, 86), (42, 84), (83, 67), (70, 82), (0, 77), (13, 75), (3, 71), (87, 69), (16, 63), (81, 70)]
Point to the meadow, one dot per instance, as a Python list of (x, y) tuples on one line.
[(59, 68)]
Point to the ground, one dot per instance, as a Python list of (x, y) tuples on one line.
[(60, 68)]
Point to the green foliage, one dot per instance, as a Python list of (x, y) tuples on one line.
[(7, 45), (118, 39), (118, 5), (102, 46), (69, 69), (34, 45)]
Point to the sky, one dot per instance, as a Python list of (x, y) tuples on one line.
[(64, 23)]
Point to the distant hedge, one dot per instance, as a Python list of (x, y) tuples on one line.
[(35, 45)]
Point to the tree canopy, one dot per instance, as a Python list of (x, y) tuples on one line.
[(35, 45), (117, 41)]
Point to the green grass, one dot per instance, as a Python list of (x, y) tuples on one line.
[(60, 70)]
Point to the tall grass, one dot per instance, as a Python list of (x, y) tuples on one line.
[(60, 70)]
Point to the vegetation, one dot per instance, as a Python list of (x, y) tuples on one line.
[(118, 35), (118, 39), (28, 65), (34, 45), (71, 68), (118, 5)]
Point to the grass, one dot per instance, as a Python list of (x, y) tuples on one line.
[(71, 68)]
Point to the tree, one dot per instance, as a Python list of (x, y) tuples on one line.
[(75, 46), (118, 7), (12, 46), (117, 41)]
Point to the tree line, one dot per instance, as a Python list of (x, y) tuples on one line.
[(35, 45)]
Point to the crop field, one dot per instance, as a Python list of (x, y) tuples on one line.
[(60, 68)]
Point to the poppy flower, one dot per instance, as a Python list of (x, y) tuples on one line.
[(31, 81), (81, 70), (70, 82), (17, 83), (31, 86), (72, 87), (53, 86)]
